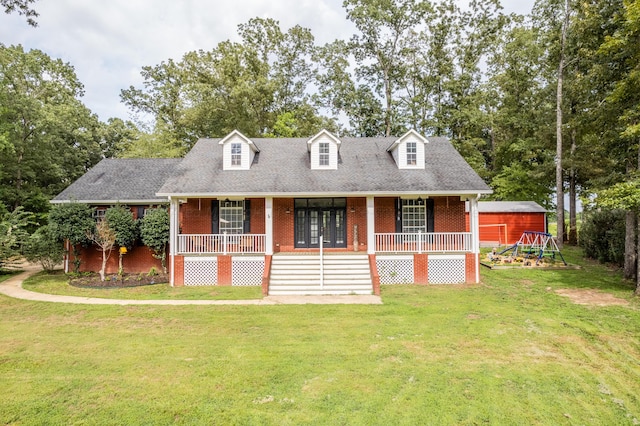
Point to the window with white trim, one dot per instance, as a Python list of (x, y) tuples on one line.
[(411, 154), (414, 216), (231, 217), (323, 151), (236, 154)]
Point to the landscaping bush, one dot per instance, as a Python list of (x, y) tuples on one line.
[(602, 236), (43, 247)]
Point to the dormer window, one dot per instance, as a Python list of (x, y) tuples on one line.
[(323, 151), (408, 151), (411, 154), (323, 148), (236, 154), (238, 151)]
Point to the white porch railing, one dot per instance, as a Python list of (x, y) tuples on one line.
[(221, 243), (423, 242)]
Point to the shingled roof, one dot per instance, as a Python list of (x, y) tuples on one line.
[(126, 180), (283, 168)]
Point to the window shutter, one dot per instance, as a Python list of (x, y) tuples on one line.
[(398, 216), (215, 217), (247, 217), (430, 203), (140, 213)]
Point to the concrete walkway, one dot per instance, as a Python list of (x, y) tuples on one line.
[(13, 288)]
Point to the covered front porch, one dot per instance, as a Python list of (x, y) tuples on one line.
[(225, 237)]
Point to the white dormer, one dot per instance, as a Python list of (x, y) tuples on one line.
[(323, 149), (238, 151), (408, 150)]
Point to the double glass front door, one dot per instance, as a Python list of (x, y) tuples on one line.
[(319, 219)]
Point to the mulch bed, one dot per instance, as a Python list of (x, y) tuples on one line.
[(117, 281)]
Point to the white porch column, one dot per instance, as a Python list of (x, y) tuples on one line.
[(371, 226), (174, 229), (268, 225), (474, 227)]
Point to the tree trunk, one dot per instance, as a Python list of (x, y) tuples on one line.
[(573, 223), (559, 177), (103, 268), (637, 291), (630, 245)]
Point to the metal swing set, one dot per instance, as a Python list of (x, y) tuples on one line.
[(540, 244)]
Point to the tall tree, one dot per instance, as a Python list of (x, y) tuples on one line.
[(48, 137), (21, 7), (383, 25)]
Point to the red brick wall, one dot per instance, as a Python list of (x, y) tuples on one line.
[(178, 278), (385, 211), (421, 268), (471, 265), (138, 259), (449, 215), (257, 216), (358, 217), (195, 216), (224, 270), (283, 225)]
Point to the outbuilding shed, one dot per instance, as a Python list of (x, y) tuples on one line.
[(503, 222)]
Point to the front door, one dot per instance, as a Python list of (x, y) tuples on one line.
[(320, 219)]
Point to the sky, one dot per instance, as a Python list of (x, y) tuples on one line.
[(108, 42)]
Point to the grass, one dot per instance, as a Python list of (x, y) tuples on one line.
[(57, 283), (508, 351)]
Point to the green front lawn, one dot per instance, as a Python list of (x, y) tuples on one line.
[(57, 283), (508, 351)]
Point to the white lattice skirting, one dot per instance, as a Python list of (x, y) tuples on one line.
[(395, 269), (247, 270), (446, 269), (200, 270)]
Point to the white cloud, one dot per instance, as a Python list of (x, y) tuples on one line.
[(108, 42)]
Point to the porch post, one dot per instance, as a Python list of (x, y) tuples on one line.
[(371, 226), (474, 226), (268, 225), (174, 215)]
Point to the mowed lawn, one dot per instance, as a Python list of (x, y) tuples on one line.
[(508, 351)]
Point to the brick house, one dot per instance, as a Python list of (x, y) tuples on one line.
[(321, 215), (132, 182)]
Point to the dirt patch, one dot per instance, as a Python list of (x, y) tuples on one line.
[(592, 297)]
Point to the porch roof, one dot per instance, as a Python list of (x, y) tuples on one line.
[(124, 180), (283, 167)]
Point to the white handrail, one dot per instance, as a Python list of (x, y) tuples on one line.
[(321, 260), (221, 243), (419, 242)]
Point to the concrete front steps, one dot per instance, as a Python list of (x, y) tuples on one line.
[(300, 274)]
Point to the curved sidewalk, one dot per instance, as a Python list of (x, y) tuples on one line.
[(13, 288)]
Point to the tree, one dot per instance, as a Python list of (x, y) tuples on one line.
[(42, 122), (382, 26), (72, 222), (13, 234), (105, 238), (22, 7), (121, 221), (43, 248), (154, 231)]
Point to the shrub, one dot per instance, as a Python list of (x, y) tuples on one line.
[(154, 231), (44, 248), (602, 235)]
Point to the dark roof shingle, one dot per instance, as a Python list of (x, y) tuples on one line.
[(282, 167), (122, 180)]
